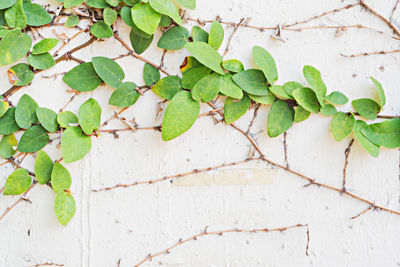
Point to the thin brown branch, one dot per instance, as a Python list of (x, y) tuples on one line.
[(256, 109), (346, 162), (47, 264), (382, 52), (394, 9), (363, 212), (236, 27), (285, 149)]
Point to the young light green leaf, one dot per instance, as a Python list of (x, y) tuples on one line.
[(266, 63), (367, 108), (42, 61), (174, 38), (193, 75), (108, 70), (207, 88), (33, 139), (179, 116), (82, 78), (206, 55), (252, 81), (8, 125), (48, 119), (342, 125), (101, 30), (60, 178), (21, 74), (190, 4), (43, 167), (189, 63), (229, 88), (139, 31), (65, 207), (72, 3), (289, 87), (73, 21), (4, 105), (7, 144), (65, 118), (233, 65), (280, 118), (15, 16), (381, 92), (265, 99), (25, 113), (168, 87), (328, 110), (371, 148), (386, 133), (89, 116), (97, 3), (44, 46), (151, 75), (279, 92), (307, 99), (337, 98), (301, 114), (7, 3), (17, 183), (125, 95), (113, 3), (74, 144), (145, 17), (234, 109), (139, 43), (36, 15), (313, 77), (109, 15), (166, 7), (14, 46), (216, 36), (199, 35)]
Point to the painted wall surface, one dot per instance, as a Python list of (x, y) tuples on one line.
[(130, 223)]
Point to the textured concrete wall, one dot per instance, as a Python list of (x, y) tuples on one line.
[(130, 223)]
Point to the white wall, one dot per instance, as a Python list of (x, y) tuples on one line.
[(129, 224)]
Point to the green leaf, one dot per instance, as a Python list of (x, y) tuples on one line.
[(36, 14), (42, 61), (113, 3), (139, 43), (173, 39), (33, 139), (289, 87), (234, 109), (190, 4), (4, 105), (72, 3), (207, 88), (126, 16), (6, 146), (108, 70), (206, 55), (17, 183), (328, 110), (89, 116), (97, 3), (14, 46), (65, 207), (82, 78), (72, 21), (371, 148), (7, 3), (65, 118), (193, 75), (43, 167), (139, 31), (109, 15), (386, 133), (252, 81), (381, 92), (266, 63), (21, 74), (280, 118), (199, 35), (125, 95), (233, 65), (60, 178), (337, 98), (179, 116), (307, 99), (265, 99), (216, 36), (25, 113), (8, 125), (301, 114), (313, 77), (44, 46), (166, 7), (48, 119), (145, 17), (151, 75), (15, 16), (367, 108), (101, 30), (342, 125), (279, 92), (189, 63), (74, 144), (168, 87), (165, 21), (229, 88)]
